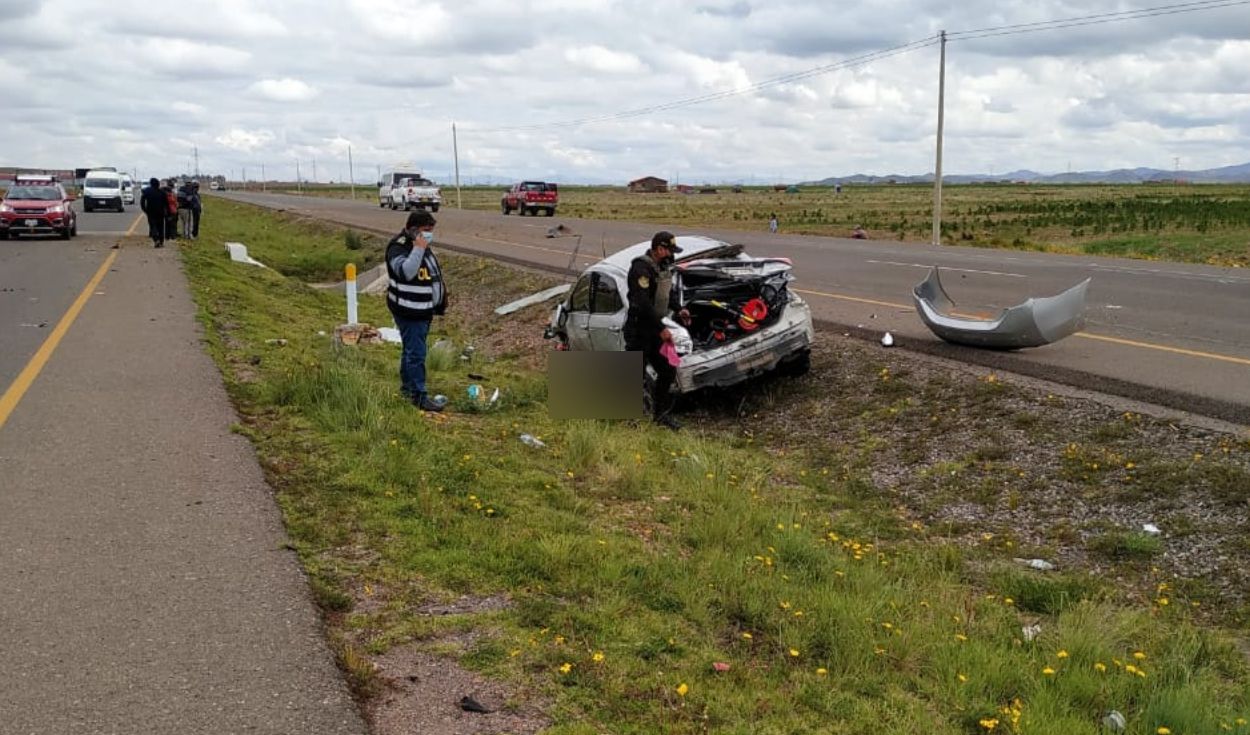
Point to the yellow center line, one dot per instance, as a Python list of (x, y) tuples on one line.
[(1086, 335), (133, 225), (22, 383)]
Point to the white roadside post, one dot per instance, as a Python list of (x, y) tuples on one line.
[(351, 293)]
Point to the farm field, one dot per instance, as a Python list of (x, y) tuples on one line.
[(1183, 223)]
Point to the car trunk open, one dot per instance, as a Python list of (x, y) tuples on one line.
[(730, 297)]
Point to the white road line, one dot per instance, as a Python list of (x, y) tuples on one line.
[(1164, 272), (949, 268)]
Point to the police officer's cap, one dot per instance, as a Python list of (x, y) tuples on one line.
[(667, 240)]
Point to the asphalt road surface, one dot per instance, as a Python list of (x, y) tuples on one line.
[(148, 587), (1166, 333)]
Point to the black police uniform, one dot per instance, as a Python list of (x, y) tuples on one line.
[(643, 326)]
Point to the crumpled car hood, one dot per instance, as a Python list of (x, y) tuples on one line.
[(1036, 322)]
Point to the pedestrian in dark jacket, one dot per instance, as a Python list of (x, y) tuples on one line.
[(197, 206), (154, 205), (415, 293), (649, 284)]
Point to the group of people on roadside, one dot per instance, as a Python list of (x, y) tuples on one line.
[(172, 212)]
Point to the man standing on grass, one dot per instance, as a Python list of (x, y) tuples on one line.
[(650, 281), (415, 293)]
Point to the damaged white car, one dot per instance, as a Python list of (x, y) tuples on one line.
[(745, 321)]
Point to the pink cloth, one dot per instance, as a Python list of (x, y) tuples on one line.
[(669, 352)]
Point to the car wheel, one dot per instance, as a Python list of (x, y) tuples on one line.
[(434, 208), (551, 211), (381, 204), (4, 234), (86, 207), (64, 234), (503, 208), (73, 228)]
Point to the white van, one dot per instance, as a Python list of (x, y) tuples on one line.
[(103, 190), (392, 178), (128, 189)]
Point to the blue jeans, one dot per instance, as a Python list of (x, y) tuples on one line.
[(412, 359)]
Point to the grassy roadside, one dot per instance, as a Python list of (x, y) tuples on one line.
[(1194, 224), (631, 562)]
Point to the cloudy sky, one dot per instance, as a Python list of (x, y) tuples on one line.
[(140, 84)]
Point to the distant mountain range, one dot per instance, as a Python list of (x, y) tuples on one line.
[(1225, 175)]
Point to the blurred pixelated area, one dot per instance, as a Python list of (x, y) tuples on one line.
[(595, 385)]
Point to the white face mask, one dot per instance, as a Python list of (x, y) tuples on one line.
[(427, 235)]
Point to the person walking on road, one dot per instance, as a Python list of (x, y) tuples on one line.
[(772, 223), (171, 211), (197, 206), (415, 294), (650, 283), (154, 205)]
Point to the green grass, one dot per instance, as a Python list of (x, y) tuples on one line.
[(1208, 223), (634, 559)]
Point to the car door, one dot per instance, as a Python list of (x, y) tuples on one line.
[(607, 313), (577, 323)]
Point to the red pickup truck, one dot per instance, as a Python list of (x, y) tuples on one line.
[(528, 197)]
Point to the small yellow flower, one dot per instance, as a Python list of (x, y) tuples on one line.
[(746, 636), (1163, 731), (1048, 671), (879, 651), (1061, 654), (1241, 721), (1139, 655), (794, 653), (963, 679), (682, 689), (961, 637), (1100, 667), (559, 640), (597, 657), (822, 671), (989, 724), (785, 605), (566, 667), (514, 653), (1008, 601)]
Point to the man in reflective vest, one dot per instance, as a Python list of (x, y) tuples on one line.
[(415, 293)]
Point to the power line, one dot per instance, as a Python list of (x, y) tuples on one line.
[(1088, 20)]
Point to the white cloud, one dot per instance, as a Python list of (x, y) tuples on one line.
[(600, 59), (244, 141), (282, 90)]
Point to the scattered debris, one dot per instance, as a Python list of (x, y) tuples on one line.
[(475, 391), (720, 666), (494, 397), (1151, 529), (467, 354), (238, 253), (40, 325), (476, 376), (1031, 631), (352, 334), (560, 230), (887, 340), (1041, 564), (276, 342), (390, 334), (1034, 323), (1114, 721), (532, 441), (532, 299), (469, 704)]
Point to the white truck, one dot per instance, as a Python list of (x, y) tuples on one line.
[(415, 192)]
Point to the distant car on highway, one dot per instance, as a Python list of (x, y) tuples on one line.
[(42, 208), (416, 192), (745, 321), (529, 197), (102, 189), (392, 178)]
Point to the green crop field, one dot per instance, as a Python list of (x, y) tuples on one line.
[(1186, 223)]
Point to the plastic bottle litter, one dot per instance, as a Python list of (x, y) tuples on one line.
[(1114, 721), (1041, 564), (1151, 529), (887, 340), (474, 391), (533, 441), (439, 400), (494, 396)]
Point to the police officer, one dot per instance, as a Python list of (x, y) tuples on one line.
[(415, 293), (650, 282)]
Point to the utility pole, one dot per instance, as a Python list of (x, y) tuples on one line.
[(314, 170), (298, 183), (937, 166), (245, 178), (264, 182), (351, 172), (455, 152), (197, 161)]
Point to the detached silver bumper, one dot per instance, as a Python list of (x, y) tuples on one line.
[(1036, 322)]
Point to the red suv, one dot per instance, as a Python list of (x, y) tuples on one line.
[(37, 208)]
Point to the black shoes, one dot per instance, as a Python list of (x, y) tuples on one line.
[(425, 403)]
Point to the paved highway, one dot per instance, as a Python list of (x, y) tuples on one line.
[(1168, 333)]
